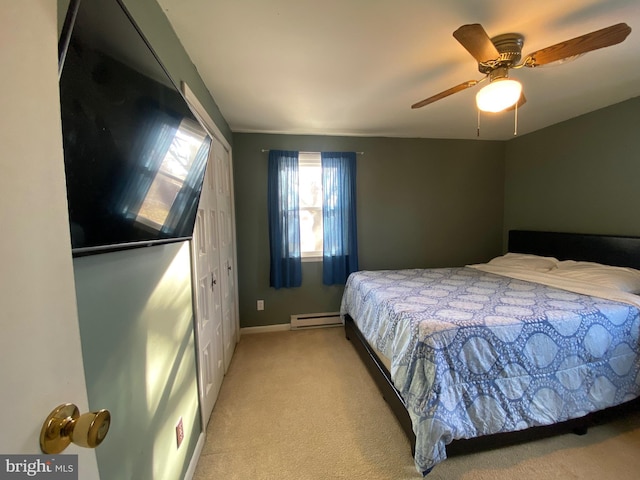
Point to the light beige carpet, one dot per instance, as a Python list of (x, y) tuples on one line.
[(301, 405)]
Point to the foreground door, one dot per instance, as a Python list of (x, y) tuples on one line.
[(40, 354)]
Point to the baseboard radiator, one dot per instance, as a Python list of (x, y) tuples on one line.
[(315, 320)]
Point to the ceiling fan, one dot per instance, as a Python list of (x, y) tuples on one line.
[(497, 55)]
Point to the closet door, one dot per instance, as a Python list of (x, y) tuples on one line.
[(216, 342), (207, 287), (224, 201)]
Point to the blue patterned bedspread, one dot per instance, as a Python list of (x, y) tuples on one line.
[(473, 353)]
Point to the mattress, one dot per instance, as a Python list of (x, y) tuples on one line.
[(473, 352)]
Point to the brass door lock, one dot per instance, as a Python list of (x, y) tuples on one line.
[(65, 425)]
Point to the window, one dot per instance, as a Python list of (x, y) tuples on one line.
[(312, 214), (310, 188)]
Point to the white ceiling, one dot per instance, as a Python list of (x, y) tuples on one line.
[(354, 67)]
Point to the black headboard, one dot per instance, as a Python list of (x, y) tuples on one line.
[(607, 249)]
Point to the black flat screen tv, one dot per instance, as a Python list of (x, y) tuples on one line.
[(134, 153)]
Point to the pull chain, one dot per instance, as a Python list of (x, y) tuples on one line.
[(478, 130), (515, 127)]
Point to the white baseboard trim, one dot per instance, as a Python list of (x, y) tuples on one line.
[(196, 456), (265, 328)]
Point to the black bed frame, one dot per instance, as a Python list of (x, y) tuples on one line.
[(607, 249)]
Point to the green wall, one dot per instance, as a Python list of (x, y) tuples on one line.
[(136, 325), (420, 202), (577, 176)]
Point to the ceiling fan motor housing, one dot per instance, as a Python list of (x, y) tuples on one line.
[(509, 45)]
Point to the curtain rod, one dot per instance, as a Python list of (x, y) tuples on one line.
[(266, 150)]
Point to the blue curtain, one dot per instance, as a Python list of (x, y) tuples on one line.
[(284, 219), (340, 242)]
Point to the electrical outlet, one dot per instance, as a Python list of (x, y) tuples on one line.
[(179, 433), (260, 305)]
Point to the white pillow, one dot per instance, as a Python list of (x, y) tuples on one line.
[(525, 261), (621, 278)]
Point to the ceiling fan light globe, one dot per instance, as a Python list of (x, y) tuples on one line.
[(499, 95)]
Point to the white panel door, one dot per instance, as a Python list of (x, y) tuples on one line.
[(224, 201), (221, 167), (207, 286)]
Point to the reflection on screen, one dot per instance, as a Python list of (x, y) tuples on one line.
[(171, 176)]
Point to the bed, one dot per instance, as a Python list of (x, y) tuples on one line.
[(524, 341)]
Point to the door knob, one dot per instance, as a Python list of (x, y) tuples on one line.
[(65, 425)]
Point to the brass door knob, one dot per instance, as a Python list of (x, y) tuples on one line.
[(65, 425)]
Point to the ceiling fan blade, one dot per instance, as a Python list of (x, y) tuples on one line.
[(446, 93), (474, 38), (585, 43)]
